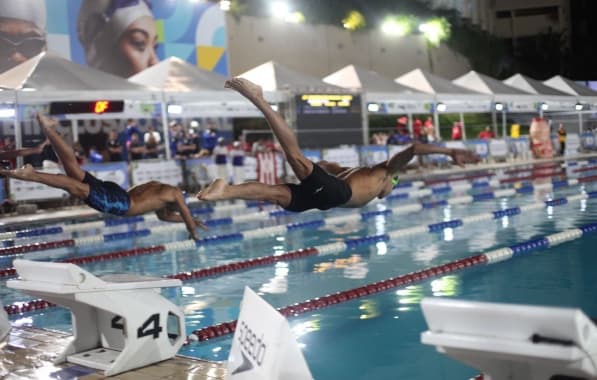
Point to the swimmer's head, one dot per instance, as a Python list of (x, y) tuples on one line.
[(395, 181)]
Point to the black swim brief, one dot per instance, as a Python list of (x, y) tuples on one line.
[(318, 190), (106, 196)]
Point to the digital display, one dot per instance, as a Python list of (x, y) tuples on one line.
[(96, 106), (327, 104), (328, 120)]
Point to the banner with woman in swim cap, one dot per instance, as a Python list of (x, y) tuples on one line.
[(121, 37)]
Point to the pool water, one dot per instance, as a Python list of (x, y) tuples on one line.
[(375, 337)]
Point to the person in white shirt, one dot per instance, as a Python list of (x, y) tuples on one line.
[(221, 159), (152, 132)]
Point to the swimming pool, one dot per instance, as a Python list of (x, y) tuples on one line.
[(376, 336)]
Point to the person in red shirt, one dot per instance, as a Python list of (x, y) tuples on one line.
[(456, 131), (487, 133)]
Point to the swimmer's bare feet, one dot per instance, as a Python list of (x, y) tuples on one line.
[(245, 87), (25, 173), (213, 192)]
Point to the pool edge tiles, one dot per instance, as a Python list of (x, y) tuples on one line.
[(30, 352)]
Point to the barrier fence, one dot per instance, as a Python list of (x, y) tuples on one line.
[(195, 173)]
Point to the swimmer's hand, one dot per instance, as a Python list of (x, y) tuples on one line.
[(463, 156), (200, 224)]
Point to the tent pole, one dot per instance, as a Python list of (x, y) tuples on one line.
[(410, 124), (503, 124), (580, 123), (436, 122), (494, 122), (463, 126), (74, 130), (18, 136), (165, 130), (365, 118)]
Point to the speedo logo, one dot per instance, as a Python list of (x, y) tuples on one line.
[(252, 348)]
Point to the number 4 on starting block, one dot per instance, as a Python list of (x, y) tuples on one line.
[(120, 322), (263, 347)]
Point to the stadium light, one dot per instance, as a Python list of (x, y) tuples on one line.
[(441, 107), (398, 25), (544, 106), (225, 5), (578, 106), (435, 30), (295, 18), (280, 9), (499, 106), (373, 107), (354, 20)]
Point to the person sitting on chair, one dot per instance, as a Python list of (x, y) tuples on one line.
[(165, 200)]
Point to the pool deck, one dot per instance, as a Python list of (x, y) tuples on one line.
[(29, 353)]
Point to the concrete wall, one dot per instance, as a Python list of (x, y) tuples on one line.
[(322, 49)]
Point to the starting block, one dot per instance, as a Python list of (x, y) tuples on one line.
[(120, 322), (4, 325), (513, 342)]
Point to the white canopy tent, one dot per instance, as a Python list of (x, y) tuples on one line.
[(455, 98), (273, 76), (584, 95), (48, 77), (386, 95), (504, 97), (198, 92), (189, 91)]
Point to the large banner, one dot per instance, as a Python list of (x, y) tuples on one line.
[(121, 37)]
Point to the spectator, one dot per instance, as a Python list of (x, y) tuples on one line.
[(136, 147), (221, 159), (95, 156), (456, 131), (562, 138), (429, 129), (152, 132), (209, 140), (418, 131), (186, 147), (487, 133), (238, 157), (151, 147), (401, 124), (114, 147), (176, 137)]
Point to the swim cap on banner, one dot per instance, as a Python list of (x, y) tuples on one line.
[(33, 11)]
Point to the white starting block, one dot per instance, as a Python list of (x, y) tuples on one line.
[(4, 325), (513, 342), (263, 346), (120, 322)]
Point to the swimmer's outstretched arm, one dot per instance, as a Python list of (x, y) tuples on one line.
[(400, 159)]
